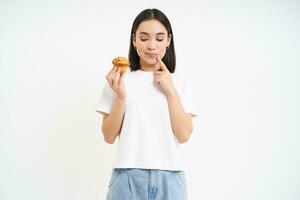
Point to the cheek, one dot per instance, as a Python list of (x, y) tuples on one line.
[(162, 53), (162, 46), (139, 49), (141, 45), (162, 50)]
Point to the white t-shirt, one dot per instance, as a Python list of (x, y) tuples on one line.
[(146, 139)]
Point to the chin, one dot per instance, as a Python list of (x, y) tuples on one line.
[(151, 61)]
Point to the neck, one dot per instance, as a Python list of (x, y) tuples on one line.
[(146, 67)]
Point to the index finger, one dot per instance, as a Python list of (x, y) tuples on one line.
[(162, 64), (110, 73)]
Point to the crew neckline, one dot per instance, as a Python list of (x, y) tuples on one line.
[(142, 71), (148, 72)]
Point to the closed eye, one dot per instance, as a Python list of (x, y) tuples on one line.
[(159, 39)]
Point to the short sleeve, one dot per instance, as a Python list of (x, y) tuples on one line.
[(188, 98), (105, 100)]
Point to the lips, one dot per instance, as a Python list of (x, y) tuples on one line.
[(151, 55)]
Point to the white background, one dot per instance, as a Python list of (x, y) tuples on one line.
[(242, 55)]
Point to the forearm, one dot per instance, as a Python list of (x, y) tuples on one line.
[(112, 125), (181, 121)]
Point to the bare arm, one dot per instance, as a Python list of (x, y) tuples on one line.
[(112, 123), (181, 121)]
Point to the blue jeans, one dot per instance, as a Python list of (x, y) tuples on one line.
[(146, 184)]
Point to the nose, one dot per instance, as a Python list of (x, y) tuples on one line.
[(151, 45)]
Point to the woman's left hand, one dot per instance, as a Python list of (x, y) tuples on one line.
[(163, 78)]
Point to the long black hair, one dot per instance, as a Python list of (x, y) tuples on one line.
[(169, 59)]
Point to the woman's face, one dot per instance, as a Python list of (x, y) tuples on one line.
[(151, 39)]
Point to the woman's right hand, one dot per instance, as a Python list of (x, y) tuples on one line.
[(116, 82)]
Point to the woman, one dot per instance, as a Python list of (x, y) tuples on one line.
[(150, 110)]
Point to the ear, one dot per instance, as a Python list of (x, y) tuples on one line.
[(133, 40), (169, 39)]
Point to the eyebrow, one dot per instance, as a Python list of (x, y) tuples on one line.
[(145, 33)]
